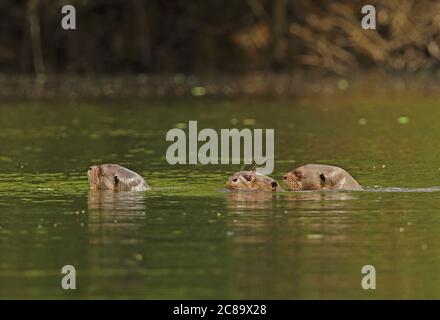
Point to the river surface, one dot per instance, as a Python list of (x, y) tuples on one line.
[(188, 238)]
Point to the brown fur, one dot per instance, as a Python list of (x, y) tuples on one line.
[(115, 177), (251, 180), (320, 177)]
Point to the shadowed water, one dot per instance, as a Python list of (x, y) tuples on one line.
[(188, 237)]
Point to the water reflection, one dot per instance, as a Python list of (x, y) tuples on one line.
[(297, 226), (116, 217), (250, 200), (300, 217), (320, 196), (107, 200), (253, 200), (320, 201)]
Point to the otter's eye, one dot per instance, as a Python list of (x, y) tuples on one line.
[(116, 179), (234, 180), (90, 168), (285, 177)]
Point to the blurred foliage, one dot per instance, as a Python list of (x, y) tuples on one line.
[(407, 36), (211, 36)]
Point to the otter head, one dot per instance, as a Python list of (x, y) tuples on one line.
[(306, 178), (250, 180), (243, 180), (103, 177)]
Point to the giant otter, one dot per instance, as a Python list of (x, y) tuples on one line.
[(115, 177), (252, 180), (320, 177)]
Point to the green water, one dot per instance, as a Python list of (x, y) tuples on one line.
[(188, 238)]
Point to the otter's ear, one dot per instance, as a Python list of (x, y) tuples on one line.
[(274, 185), (299, 174), (247, 177), (326, 180), (116, 179)]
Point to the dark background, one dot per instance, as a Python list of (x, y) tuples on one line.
[(213, 36)]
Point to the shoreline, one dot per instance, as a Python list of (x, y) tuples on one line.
[(300, 85)]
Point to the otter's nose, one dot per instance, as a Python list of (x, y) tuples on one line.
[(235, 179)]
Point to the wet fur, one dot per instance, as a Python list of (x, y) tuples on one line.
[(253, 181), (115, 177), (320, 177)]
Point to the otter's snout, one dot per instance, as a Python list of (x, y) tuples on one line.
[(93, 175), (93, 169)]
